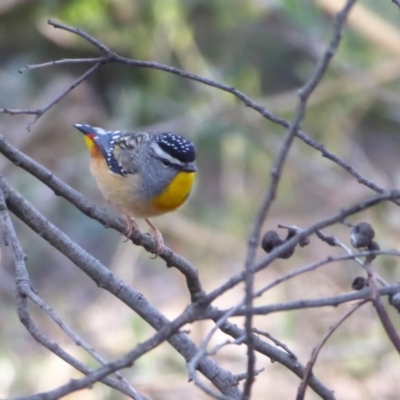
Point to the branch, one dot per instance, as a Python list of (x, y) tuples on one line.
[(40, 111), (333, 301), (63, 61), (318, 264), (201, 353), (347, 249), (101, 46), (281, 357), (277, 342), (380, 309)]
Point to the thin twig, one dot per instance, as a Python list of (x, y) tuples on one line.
[(242, 376), (303, 304), (227, 342), (281, 357), (62, 61), (380, 309), (276, 342), (318, 264), (72, 86), (303, 385), (348, 250), (12, 111), (101, 46), (202, 352), (80, 342), (40, 111)]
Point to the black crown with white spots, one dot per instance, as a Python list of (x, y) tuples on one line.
[(177, 146)]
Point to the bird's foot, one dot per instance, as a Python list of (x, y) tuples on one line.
[(157, 237), (130, 226)]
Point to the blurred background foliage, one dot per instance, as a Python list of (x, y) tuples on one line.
[(267, 49)]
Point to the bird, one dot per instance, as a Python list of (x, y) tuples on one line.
[(143, 174)]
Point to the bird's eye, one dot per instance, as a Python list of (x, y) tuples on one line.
[(166, 163)]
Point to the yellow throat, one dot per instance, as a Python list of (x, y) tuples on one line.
[(175, 193), (90, 143)]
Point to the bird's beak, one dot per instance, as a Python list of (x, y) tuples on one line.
[(189, 167)]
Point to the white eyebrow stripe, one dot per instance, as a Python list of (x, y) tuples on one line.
[(165, 156)]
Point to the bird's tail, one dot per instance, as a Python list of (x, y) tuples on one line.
[(90, 134)]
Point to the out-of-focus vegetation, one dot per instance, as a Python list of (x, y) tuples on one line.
[(266, 49)]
